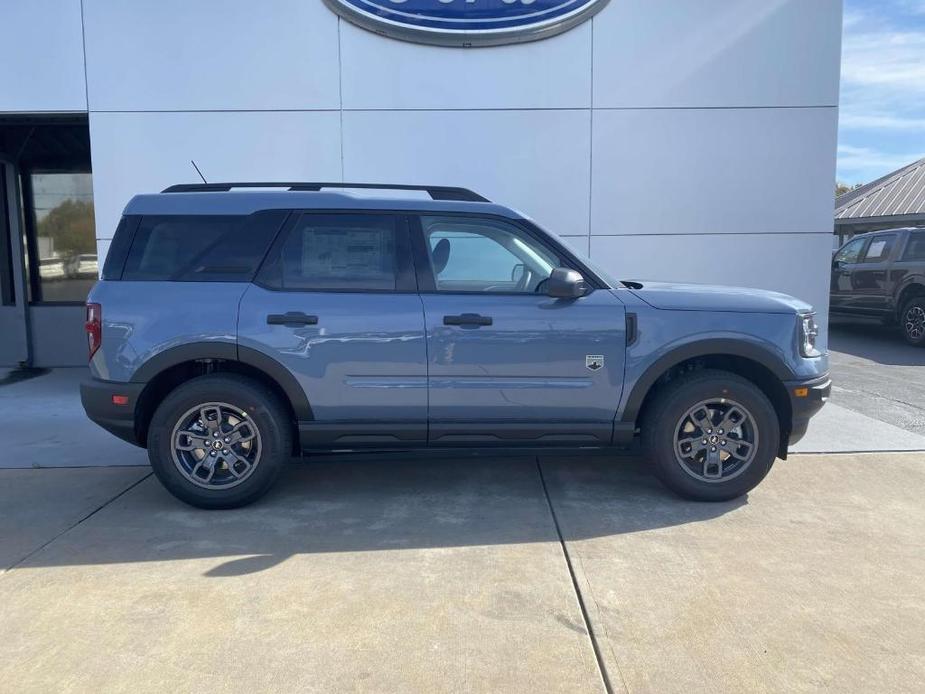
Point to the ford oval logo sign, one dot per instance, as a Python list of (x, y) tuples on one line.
[(467, 22)]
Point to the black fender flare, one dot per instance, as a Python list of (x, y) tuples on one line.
[(283, 377), (231, 352), (917, 280), (701, 348)]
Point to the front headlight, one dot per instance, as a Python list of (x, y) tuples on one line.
[(808, 333)]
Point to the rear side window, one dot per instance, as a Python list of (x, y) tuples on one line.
[(879, 248), (915, 249), (201, 248), (337, 252)]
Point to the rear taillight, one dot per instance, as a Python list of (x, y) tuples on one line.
[(94, 328)]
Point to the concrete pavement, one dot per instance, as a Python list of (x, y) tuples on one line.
[(37, 506), (43, 425), (837, 429), (451, 575), (813, 583), (877, 374), (365, 577)]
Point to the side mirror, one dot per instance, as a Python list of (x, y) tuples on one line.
[(566, 284)]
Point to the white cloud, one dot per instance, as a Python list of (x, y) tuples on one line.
[(852, 159), (887, 60), (880, 121), (882, 104)]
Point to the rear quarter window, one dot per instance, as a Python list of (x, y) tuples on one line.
[(915, 248), (201, 248), (119, 248)]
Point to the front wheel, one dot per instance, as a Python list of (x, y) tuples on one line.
[(219, 441), (912, 321), (711, 435)]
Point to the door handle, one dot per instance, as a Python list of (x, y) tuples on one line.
[(291, 318), (473, 319)]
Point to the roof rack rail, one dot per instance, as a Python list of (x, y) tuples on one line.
[(435, 192)]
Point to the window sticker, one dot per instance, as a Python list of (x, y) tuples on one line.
[(876, 249)]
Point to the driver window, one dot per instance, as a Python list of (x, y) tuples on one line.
[(850, 252), (485, 255)]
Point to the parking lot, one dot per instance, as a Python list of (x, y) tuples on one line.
[(477, 574), (878, 374)]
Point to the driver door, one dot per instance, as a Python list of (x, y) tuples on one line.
[(508, 364), (843, 292)]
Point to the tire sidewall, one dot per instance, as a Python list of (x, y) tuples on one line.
[(675, 404), (920, 302), (261, 407)]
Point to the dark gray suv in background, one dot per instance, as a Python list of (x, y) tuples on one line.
[(881, 274)]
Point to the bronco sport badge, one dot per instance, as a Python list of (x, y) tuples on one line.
[(594, 361), (467, 23)]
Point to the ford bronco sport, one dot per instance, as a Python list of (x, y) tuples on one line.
[(235, 326)]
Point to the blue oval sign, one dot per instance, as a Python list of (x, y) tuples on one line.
[(467, 22)]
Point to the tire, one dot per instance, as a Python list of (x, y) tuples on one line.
[(912, 321), (237, 407), (666, 421)]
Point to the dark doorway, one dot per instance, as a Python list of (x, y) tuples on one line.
[(52, 232)]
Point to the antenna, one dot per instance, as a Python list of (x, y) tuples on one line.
[(198, 171)]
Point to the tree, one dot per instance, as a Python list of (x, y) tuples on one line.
[(842, 188), (70, 227)]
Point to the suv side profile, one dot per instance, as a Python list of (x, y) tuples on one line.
[(234, 327), (881, 274)]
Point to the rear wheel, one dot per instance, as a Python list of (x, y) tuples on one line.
[(711, 435), (912, 321), (219, 441)]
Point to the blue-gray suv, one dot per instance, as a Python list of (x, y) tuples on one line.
[(239, 324)]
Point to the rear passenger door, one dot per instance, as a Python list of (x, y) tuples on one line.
[(507, 363), (336, 304), (870, 277)]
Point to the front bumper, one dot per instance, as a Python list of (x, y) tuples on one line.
[(806, 399), (96, 396)]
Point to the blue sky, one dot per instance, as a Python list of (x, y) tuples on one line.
[(882, 114)]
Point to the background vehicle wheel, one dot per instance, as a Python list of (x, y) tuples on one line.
[(219, 441), (711, 435), (912, 321)]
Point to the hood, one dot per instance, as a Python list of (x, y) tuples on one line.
[(707, 297)]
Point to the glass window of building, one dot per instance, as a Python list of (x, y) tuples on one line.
[(62, 245)]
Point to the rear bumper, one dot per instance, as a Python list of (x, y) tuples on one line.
[(804, 406), (97, 399)]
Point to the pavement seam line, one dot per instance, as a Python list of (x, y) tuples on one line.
[(601, 668), (68, 529), (872, 395)]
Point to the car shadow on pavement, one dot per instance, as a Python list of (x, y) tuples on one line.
[(344, 505), (874, 341)]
